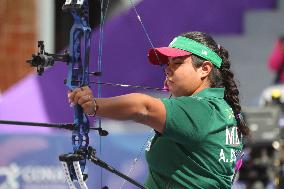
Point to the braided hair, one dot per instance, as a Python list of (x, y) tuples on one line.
[(222, 77)]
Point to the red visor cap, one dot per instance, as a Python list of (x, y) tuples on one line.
[(160, 55)]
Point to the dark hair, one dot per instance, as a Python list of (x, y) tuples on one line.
[(222, 77)]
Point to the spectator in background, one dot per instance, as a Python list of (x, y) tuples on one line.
[(276, 60), (275, 94)]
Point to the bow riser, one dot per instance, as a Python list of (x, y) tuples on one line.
[(78, 69)]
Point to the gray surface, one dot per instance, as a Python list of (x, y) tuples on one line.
[(249, 52)]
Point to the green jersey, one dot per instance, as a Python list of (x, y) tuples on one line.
[(198, 146)]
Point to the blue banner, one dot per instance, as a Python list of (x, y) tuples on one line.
[(31, 161)]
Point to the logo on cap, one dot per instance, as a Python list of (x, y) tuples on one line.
[(175, 39), (204, 52)]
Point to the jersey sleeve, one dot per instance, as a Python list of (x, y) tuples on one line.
[(187, 119)]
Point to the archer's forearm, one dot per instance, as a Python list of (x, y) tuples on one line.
[(140, 108), (125, 107)]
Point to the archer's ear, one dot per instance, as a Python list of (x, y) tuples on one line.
[(205, 69)]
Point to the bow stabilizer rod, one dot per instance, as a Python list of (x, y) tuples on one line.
[(68, 126)]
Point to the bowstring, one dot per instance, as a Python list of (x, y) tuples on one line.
[(101, 36), (100, 53), (135, 160), (156, 54), (147, 34), (144, 30)]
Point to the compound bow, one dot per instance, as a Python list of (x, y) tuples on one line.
[(78, 76), (77, 59)]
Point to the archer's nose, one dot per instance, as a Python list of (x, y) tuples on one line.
[(168, 71)]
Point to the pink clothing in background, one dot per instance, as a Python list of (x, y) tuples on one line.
[(276, 59)]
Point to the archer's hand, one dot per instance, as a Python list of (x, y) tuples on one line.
[(84, 97)]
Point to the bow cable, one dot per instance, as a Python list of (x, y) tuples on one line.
[(99, 68)]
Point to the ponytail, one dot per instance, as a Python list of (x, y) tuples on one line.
[(231, 91)]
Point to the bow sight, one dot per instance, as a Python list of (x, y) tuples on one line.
[(43, 59)]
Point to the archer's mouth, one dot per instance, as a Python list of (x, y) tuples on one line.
[(169, 82)]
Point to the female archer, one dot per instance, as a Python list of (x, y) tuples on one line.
[(198, 130)]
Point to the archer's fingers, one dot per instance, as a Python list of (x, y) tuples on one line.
[(85, 88), (85, 98), (84, 95), (81, 95), (78, 96), (73, 96)]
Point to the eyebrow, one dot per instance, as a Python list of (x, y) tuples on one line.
[(175, 60)]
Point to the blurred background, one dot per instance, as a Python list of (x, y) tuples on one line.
[(251, 30)]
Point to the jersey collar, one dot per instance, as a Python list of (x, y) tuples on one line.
[(211, 93)]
